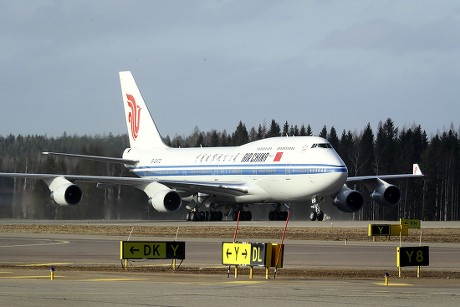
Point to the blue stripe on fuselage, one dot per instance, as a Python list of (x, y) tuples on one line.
[(237, 169)]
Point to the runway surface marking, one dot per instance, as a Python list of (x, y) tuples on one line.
[(114, 279), (53, 242), (243, 282), (393, 284), (44, 264), (26, 277)]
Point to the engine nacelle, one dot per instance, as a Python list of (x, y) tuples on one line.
[(64, 192), (162, 198), (386, 194), (348, 200)]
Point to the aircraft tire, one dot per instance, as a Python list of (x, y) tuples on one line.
[(283, 215), (312, 216), (215, 215), (320, 216)]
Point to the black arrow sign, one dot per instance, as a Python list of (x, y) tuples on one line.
[(228, 253), (245, 254), (132, 250)]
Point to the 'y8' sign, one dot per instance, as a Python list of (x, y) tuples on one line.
[(412, 256)]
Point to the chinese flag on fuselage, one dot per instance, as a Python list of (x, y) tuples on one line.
[(278, 156)]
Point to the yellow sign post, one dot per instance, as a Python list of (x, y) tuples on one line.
[(236, 253), (399, 230), (411, 223), (252, 254), (374, 230), (387, 230), (412, 256), (152, 250), (277, 258)]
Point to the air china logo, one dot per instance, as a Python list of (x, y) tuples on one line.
[(134, 116)]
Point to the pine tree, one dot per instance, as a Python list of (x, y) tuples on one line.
[(274, 130), (240, 136)]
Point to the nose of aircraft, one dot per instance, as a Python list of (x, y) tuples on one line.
[(342, 171), (334, 159)]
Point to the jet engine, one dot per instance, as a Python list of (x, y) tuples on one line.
[(348, 200), (386, 194), (64, 192), (162, 198)]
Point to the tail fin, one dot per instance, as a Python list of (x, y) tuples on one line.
[(143, 133)]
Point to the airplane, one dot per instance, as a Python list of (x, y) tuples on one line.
[(275, 171)]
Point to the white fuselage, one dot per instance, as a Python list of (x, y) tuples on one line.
[(280, 169)]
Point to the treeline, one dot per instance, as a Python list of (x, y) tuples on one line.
[(385, 151)]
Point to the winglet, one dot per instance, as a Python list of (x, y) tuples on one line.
[(416, 170), (142, 131)]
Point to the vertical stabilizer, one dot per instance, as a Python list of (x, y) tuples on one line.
[(142, 131)]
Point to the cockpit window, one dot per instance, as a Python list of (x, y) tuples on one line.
[(321, 145)]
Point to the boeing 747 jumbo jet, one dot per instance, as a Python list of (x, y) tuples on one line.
[(275, 171)]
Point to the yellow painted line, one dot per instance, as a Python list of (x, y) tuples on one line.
[(50, 242), (60, 277), (26, 277), (114, 279), (44, 264), (243, 282), (393, 284)]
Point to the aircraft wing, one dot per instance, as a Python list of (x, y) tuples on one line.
[(82, 178), (415, 173), (220, 188), (93, 158), (215, 187)]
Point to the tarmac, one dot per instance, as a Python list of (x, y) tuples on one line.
[(26, 278)]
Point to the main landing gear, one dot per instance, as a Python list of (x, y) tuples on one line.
[(245, 215), (201, 216), (215, 215), (316, 214), (212, 213), (196, 215), (277, 214)]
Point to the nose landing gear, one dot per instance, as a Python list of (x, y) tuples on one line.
[(317, 214)]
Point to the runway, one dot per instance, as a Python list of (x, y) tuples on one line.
[(26, 258), (29, 249)]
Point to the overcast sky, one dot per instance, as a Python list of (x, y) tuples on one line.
[(213, 63)]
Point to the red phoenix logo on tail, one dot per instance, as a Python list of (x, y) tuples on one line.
[(134, 116)]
